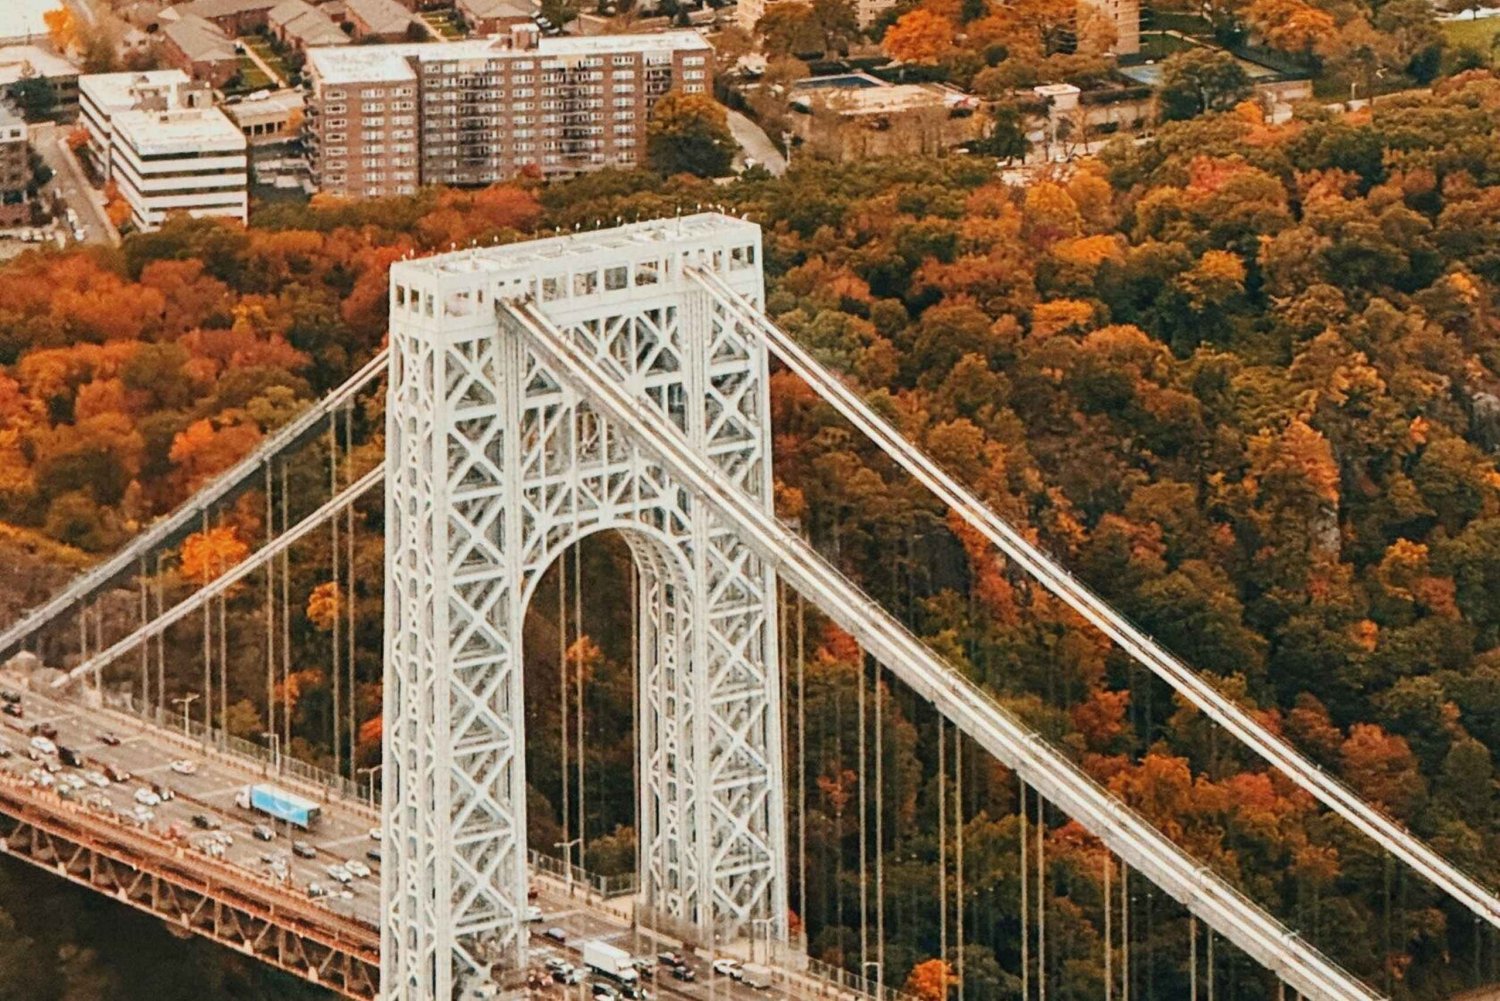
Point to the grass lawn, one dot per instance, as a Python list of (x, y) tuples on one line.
[(272, 58), (443, 22), (1473, 33), (1156, 45), (249, 79)]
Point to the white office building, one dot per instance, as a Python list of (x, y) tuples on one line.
[(191, 160), (102, 96)]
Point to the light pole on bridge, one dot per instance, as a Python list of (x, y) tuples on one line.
[(372, 771), (567, 847), (185, 701)]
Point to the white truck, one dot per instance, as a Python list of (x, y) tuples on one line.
[(758, 977), (609, 961)]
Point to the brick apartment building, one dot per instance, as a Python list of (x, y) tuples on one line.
[(384, 119)]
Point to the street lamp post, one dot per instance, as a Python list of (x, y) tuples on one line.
[(185, 701), (786, 140), (567, 847), (371, 771)]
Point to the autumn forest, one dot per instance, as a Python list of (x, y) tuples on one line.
[(1243, 379)]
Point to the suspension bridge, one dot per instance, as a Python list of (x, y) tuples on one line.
[(537, 394)]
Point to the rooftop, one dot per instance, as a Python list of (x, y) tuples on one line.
[(305, 23), (10, 117), (863, 94), (388, 63), (535, 255), (200, 39), (496, 8), (117, 91), (177, 130), (22, 19), (381, 17), (275, 103), (18, 61), (224, 8)]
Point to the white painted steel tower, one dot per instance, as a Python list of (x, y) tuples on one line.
[(494, 470)]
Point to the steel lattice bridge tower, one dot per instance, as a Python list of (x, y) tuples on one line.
[(496, 467), (537, 394)]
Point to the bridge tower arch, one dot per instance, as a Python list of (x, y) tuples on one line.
[(494, 469)]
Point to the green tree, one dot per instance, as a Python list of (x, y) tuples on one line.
[(34, 96), (689, 134), (1201, 80)]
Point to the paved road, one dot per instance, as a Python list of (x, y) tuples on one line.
[(756, 144), (68, 180), (210, 791)]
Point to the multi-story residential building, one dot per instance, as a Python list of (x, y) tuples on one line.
[(15, 168), (102, 96), (384, 119), (190, 160)]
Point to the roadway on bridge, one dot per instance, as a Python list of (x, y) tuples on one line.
[(109, 740), (209, 791)]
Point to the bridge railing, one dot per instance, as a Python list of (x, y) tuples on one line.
[(172, 721), (842, 978), (605, 887)]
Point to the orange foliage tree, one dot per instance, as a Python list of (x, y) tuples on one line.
[(919, 36), (208, 554)]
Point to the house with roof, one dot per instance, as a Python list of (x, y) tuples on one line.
[(301, 26), (201, 49), (492, 17), (378, 20)]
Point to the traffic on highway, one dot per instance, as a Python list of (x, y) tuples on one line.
[(246, 820), (133, 774)]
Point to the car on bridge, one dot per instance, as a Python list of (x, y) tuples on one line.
[(339, 873), (182, 766), (43, 746), (145, 797), (302, 849)]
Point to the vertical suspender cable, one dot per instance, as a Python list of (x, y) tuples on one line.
[(270, 612), (1041, 898), (583, 830), (286, 618), (333, 558), (1209, 958), (1125, 932), (880, 839), (1109, 944), (958, 854), (802, 759), (942, 798), (349, 599), (161, 640), (864, 807), (1192, 957), (208, 657), (146, 647), (562, 696), (224, 660), (1025, 866)]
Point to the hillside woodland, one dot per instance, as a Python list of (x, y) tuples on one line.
[(1244, 379)]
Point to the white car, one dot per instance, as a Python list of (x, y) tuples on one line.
[(533, 913), (729, 968), (43, 746), (357, 868), (339, 873), (142, 814), (96, 778), (146, 797), (375, 834), (74, 782), (182, 766), (41, 777)]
